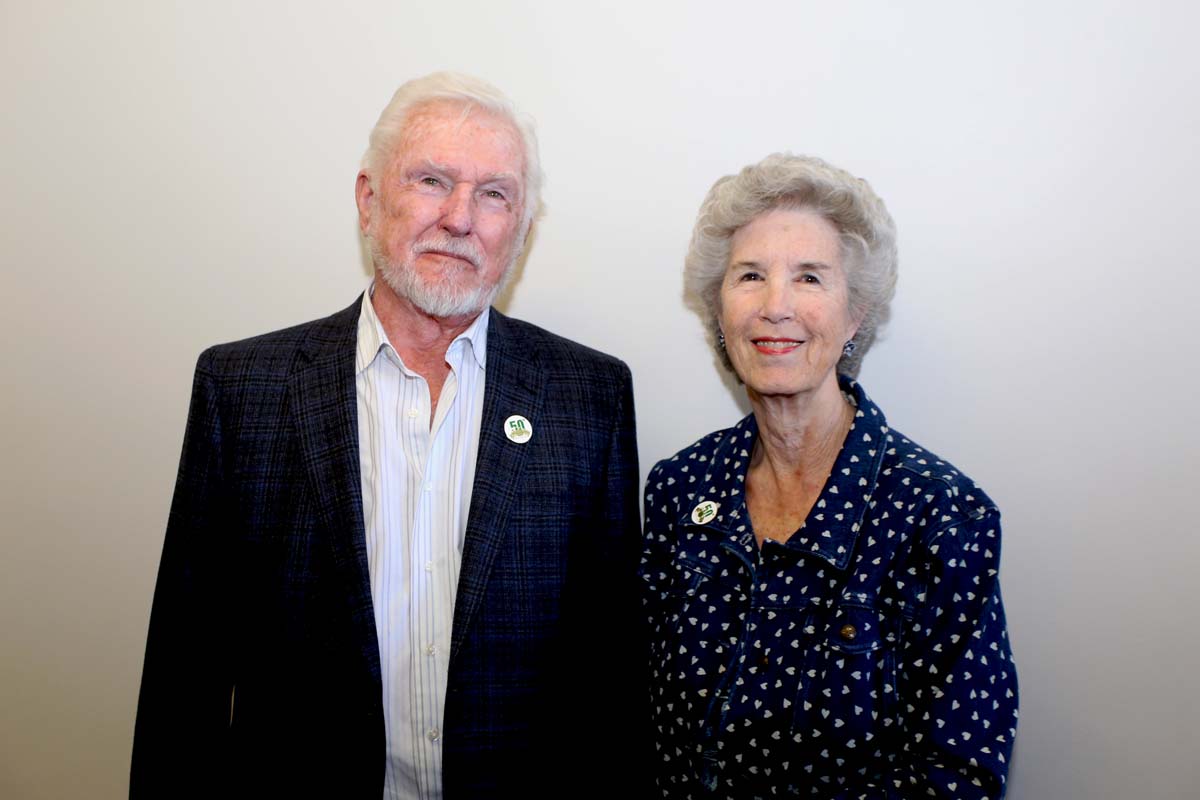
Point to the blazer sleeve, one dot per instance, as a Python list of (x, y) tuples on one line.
[(609, 609), (960, 689), (184, 705)]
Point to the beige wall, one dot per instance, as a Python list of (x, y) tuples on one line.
[(177, 174)]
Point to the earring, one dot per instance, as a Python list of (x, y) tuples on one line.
[(721, 339), (848, 349)]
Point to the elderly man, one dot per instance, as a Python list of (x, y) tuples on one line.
[(400, 554)]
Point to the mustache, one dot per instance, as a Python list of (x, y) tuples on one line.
[(459, 248)]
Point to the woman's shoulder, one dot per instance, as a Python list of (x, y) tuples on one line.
[(712, 467), (700, 455), (945, 510), (917, 468), (906, 471)]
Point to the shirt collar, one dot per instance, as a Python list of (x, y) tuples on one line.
[(372, 339), (833, 523)]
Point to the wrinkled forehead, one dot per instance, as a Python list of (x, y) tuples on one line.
[(452, 112), (463, 127)]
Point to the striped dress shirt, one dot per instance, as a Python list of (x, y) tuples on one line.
[(416, 490)]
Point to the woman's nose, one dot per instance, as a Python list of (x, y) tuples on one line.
[(777, 301)]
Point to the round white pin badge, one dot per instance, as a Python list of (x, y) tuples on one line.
[(705, 512), (518, 429)]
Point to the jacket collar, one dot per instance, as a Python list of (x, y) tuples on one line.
[(514, 385), (371, 338), (322, 394), (831, 528)]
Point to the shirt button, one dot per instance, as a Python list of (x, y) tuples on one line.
[(429, 487), (412, 413), (431, 649), (849, 632), (433, 735), (429, 566)]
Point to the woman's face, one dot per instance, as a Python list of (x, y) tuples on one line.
[(785, 304)]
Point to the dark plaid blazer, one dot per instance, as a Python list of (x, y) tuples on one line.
[(261, 675)]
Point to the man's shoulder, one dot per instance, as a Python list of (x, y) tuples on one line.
[(275, 352), (550, 349)]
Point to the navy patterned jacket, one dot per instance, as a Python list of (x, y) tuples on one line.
[(263, 592), (866, 657)]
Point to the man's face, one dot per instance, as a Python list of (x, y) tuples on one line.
[(443, 215)]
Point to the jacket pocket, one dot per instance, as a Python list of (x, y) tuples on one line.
[(848, 696), (697, 634)]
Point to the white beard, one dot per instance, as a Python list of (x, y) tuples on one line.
[(438, 298)]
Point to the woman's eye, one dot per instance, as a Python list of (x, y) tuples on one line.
[(809, 278), (749, 276)]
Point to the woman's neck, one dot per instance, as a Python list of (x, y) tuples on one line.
[(798, 443), (799, 432)]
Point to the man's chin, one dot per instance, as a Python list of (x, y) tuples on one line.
[(454, 307), (438, 302)]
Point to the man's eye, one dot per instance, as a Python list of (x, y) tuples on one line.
[(429, 180)]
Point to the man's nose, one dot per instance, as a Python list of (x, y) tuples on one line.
[(457, 211)]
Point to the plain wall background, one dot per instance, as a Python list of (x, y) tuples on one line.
[(178, 174)]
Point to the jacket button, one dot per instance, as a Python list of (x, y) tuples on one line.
[(849, 632)]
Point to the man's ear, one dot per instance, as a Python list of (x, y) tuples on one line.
[(364, 197)]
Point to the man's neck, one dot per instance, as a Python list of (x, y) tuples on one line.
[(421, 340)]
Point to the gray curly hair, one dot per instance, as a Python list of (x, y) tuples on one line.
[(782, 180)]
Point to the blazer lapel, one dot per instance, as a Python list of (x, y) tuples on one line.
[(512, 387), (322, 391)]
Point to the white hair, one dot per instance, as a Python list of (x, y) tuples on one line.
[(470, 92), (781, 180)]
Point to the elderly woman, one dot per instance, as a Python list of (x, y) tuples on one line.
[(822, 592)]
